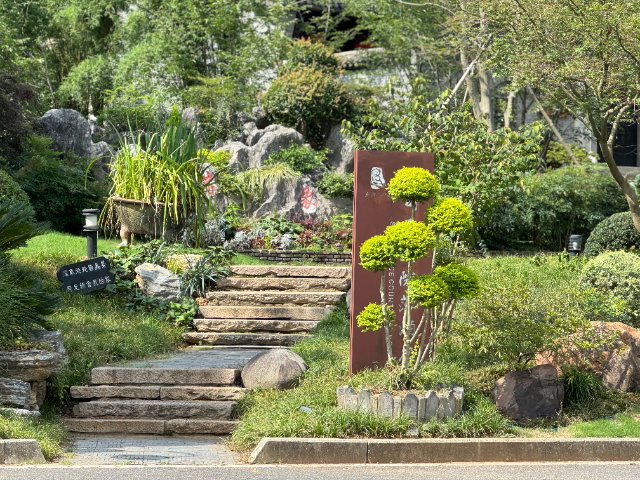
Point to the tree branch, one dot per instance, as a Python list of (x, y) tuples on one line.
[(427, 4)]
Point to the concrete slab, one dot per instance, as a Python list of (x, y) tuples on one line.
[(309, 451), (163, 376), (21, 451)]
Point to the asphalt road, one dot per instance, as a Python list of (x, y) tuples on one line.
[(517, 471)]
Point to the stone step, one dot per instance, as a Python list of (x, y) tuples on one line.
[(290, 271), (269, 283), (156, 409), (249, 339), (286, 298), (185, 392), (164, 376), (149, 426), (228, 325), (288, 313)]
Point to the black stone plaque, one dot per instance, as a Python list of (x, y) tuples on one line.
[(86, 276)]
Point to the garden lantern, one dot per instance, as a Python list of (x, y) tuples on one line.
[(575, 245), (91, 229)]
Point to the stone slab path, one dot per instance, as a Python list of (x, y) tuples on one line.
[(100, 449), (200, 358)]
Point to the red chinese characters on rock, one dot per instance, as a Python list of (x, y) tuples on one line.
[(206, 180), (308, 205)]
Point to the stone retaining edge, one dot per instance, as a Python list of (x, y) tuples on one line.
[(20, 451), (341, 451), (286, 256)]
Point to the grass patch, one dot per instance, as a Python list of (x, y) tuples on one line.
[(48, 431), (619, 426)]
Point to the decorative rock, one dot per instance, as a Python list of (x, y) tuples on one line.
[(413, 432), (385, 404), (30, 365), (397, 406), (364, 400), (341, 151), (410, 405), (273, 139), (158, 282), (529, 393), (374, 401), (52, 338), (350, 399), (38, 392), (340, 391), (21, 412), (431, 407), (15, 393), (617, 365), (277, 368)]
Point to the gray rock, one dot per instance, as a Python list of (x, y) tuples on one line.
[(350, 399), (529, 393), (422, 409), (374, 403), (277, 368), (261, 118), (21, 412), (273, 139), (431, 405), (190, 116), (364, 400), (410, 405), (240, 156), (52, 338), (348, 300), (158, 282), (340, 391), (30, 365), (413, 432), (341, 151), (385, 404), (397, 406), (38, 392), (15, 393)]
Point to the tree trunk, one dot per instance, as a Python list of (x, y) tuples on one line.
[(486, 97), (509, 110), (472, 87)]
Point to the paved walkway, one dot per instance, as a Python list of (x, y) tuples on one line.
[(101, 449), (201, 358)]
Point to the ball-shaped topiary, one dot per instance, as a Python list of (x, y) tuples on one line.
[(413, 184), (410, 240), (371, 318), (617, 274), (614, 233), (461, 281), (428, 290), (450, 215), (376, 254), (12, 193)]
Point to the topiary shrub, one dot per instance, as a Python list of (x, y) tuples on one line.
[(614, 233), (616, 275), (11, 193)]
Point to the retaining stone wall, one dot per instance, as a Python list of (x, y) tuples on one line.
[(286, 256), (422, 408)]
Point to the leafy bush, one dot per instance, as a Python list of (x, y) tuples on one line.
[(306, 99), (126, 109), (334, 184), (557, 156), (614, 233), (277, 224), (85, 85), (546, 208), (11, 193), (616, 274), (305, 53), (301, 158)]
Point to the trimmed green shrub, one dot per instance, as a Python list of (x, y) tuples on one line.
[(410, 240), (334, 184), (614, 233), (616, 274), (11, 193), (450, 215), (301, 158), (413, 185)]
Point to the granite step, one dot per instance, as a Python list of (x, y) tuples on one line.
[(281, 313), (290, 271), (182, 392), (287, 283), (228, 325), (156, 409), (165, 376), (285, 298), (249, 339), (149, 426)]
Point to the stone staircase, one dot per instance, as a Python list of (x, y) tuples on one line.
[(264, 305), (156, 401)]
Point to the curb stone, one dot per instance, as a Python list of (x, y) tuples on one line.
[(20, 451), (340, 451)]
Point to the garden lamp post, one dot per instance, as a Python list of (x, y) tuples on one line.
[(575, 245), (91, 229)]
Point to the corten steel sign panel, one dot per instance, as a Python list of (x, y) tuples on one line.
[(373, 211)]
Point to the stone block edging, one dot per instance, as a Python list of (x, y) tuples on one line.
[(342, 451), (20, 451), (286, 256)]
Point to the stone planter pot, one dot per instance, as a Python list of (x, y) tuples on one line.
[(421, 408), (143, 218)]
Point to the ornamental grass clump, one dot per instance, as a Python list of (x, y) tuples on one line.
[(410, 241)]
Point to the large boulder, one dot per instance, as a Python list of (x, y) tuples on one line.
[(276, 369), (272, 139), (529, 393), (341, 151), (240, 156), (52, 338), (158, 282), (616, 364), (30, 365), (70, 132), (15, 393)]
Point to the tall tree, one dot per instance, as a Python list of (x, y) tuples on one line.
[(583, 53)]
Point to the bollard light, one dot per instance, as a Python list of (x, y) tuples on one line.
[(91, 228), (575, 245)]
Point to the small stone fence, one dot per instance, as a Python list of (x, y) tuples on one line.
[(286, 256), (422, 408)]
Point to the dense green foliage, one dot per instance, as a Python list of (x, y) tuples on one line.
[(11, 193), (545, 209), (409, 240), (334, 184), (376, 253), (301, 158), (614, 233), (16, 225), (449, 215), (413, 185)]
